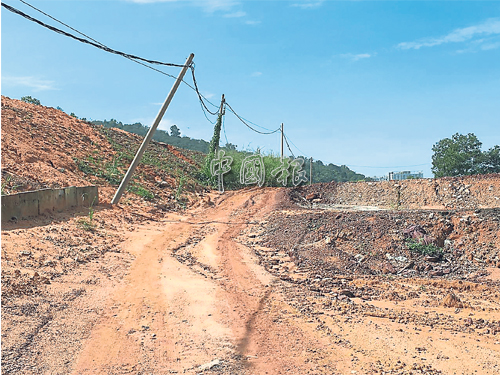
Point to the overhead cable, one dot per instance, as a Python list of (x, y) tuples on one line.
[(139, 60), (199, 94), (287, 145), (90, 42), (302, 152), (133, 58), (397, 166), (243, 121)]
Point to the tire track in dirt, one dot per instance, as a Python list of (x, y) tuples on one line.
[(269, 335)]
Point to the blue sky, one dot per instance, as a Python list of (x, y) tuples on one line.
[(368, 84)]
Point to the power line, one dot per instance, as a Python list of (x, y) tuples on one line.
[(243, 121), (201, 96), (96, 41), (195, 88), (287, 145), (139, 60), (224, 128), (397, 166), (253, 123), (303, 153), (97, 45), (100, 45)]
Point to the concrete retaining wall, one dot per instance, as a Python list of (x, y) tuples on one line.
[(34, 203)]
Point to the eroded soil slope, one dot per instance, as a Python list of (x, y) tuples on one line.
[(43, 147)]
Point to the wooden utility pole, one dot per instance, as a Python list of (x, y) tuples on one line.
[(282, 139), (310, 171), (150, 133)]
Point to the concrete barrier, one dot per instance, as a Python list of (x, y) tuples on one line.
[(28, 205), (34, 203)]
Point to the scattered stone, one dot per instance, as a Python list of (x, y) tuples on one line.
[(388, 268), (209, 365), (451, 300), (311, 196), (359, 257), (348, 293), (163, 184), (436, 273)]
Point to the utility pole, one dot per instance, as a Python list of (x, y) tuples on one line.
[(310, 171), (282, 138), (214, 143), (150, 133)]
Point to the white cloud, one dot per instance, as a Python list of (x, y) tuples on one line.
[(235, 14), (256, 74), (489, 27), (32, 82), (489, 46), (308, 4), (357, 57)]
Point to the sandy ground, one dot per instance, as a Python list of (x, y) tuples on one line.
[(197, 293)]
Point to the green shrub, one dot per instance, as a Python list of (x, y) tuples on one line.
[(421, 248), (29, 99)]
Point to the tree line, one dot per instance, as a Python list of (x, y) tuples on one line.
[(321, 172), (461, 155)]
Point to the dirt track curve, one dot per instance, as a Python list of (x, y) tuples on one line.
[(196, 299)]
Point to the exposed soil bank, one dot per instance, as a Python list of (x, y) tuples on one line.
[(468, 192)]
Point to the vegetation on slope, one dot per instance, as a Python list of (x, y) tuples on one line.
[(321, 172)]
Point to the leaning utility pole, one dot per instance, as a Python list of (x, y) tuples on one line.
[(282, 137), (150, 133)]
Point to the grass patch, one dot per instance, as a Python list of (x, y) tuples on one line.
[(88, 223), (95, 166), (140, 191), (421, 248)]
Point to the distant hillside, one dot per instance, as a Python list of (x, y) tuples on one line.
[(160, 135), (321, 172)]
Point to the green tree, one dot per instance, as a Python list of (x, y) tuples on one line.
[(230, 146), (175, 131), (457, 156), (29, 99), (491, 161)]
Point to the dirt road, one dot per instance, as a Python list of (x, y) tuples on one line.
[(195, 295), (199, 295)]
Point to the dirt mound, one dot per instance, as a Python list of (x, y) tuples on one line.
[(40, 145), (43, 147)]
